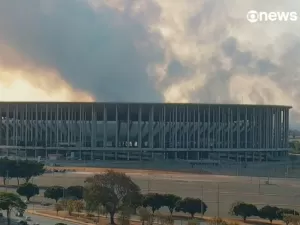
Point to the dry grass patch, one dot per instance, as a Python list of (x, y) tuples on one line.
[(138, 171)]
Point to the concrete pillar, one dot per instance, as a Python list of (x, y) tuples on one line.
[(237, 156), (128, 156), (116, 156), (175, 155), (92, 155), (253, 156), (103, 155), (246, 157), (198, 156), (187, 155), (259, 156), (228, 155)]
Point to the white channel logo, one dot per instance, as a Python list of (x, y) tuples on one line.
[(255, 16)]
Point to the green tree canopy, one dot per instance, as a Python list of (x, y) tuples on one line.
[(54, 192), (191, 206), (75, 191), (153, 200), (287, 215), (170, 201), (269, 212), (10, 201), (243, 209), (112, 190), (28, 190), (24, 169)]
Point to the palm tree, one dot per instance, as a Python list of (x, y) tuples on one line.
[(10, 201)]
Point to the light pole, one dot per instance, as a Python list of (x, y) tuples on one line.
[(148, 183), (6, 180), (218, 202), (202, 200)]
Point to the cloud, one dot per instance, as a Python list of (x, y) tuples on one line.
[(218, 55), (158, 50), (94, 52)]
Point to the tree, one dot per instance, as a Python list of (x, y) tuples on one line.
[(170, 201), (243, 209), (269, 212), (28, 190), (64, 203), (112, 190), (58, 207), (78, 205), (124, 216), (153, 200), (92, 197), (191, 206), (24, 169), (54, 192), (287, 215), (9, 201), (163, 219), (135, 202), (70, 206), (33, 169), (145, 215), (293, 219), (75, 191)]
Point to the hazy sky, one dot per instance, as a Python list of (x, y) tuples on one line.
[(149, 51)]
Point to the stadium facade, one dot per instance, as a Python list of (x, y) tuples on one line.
[(144, 131)]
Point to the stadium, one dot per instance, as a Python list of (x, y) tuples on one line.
[(144, 131)]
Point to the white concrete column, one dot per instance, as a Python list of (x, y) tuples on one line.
[(128, 156)]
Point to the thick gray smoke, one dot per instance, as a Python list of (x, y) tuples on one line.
[(156, 50)]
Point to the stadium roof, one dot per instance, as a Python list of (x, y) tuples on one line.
[(146, 103)]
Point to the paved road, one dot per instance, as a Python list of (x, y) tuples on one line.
[(37, 219)]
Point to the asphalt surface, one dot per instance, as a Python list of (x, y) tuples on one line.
[(36, 219)]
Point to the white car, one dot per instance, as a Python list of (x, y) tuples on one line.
[(28, 218)]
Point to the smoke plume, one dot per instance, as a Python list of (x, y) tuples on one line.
[(149, 51)]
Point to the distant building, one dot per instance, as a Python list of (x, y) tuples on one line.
[(135, 131)]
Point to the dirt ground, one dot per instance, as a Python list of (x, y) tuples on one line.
[(101, 170)]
